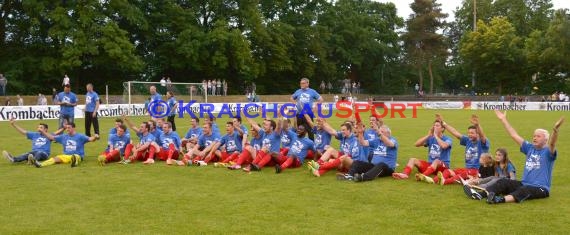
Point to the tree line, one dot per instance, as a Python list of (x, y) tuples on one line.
[(518, 45)]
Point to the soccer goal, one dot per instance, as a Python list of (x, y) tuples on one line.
[(135, 92)]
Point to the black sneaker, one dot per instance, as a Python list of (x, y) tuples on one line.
[(467, 191), (74, 160), (254, 167), (277, 169), (476, 195), (493, 198), (341, 176), (358, 177), (34, 161)]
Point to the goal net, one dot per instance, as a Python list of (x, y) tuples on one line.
[(135, 92)]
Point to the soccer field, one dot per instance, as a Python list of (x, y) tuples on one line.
[(161, 199)]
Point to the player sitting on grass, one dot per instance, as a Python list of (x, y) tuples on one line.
[(230, 145), (116, 146), (169, 147), (270, 140), (322, 137), (41, 145), (297, 152), (331, 158), (73, 147), (191, 137), (537, 176), (384, 155), (207, 144), (249, 153), (142, 151), (439, 154)]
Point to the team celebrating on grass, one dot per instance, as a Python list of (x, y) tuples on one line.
[(364, 154)]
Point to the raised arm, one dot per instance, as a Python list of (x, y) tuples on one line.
[(361, 139), (130, 124), (554, 137), (512, 132), (328, 128), (18, 128), (475, 122), (309, 121), (422, 141), (47, 135), (253, 124), (452, 130)]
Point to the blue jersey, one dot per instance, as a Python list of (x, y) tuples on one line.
[(287, 138), (149, 138), (322, 139), (155, 97), (232, 142), (119, 142), (73, 144), (346, 143), (171, 138), (39, 142), (91, 99), (207, 140), (384, 154), (244, 129), (510, 168), (473, 151), (538, 166), (171, 103), (69, 98), (301, 147), (156, 133), (436, 152), (271, 141), (216, 129), (257, 143), (193, 133), (305, 98)]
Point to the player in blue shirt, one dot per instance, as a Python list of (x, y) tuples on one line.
[(337, 159), (166, 146), (297, 152), (287, 137), (141, 151), (537, 176), (173, 105), (271, 142), (67, 101), (304, 98), (155, 127), (242, 129), (73, 147), (439, 153), (207, 144), (41, 145), (249, 152), (116, 145), (322, 137), (154, 98), (118, 122), (91, 107), (212, 122), (191, 137), (384, 155), (475, 142), (230, 146)]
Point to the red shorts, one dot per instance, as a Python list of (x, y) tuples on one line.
[(163, 154), (424, 165), (465, 172)]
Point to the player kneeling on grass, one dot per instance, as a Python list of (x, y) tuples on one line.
[(73, 147), (142, 151), (439, 154), (41, 145), (297, 151), (116, 146), (333, 159), (384, 156), (537, 176), (169, 145), (230, 145), (207, 144)]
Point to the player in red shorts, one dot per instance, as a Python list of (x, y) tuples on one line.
[(142, 151)]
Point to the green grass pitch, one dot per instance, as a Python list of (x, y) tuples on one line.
[(161, 199)]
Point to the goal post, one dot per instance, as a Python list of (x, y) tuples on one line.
[(136, 92)]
